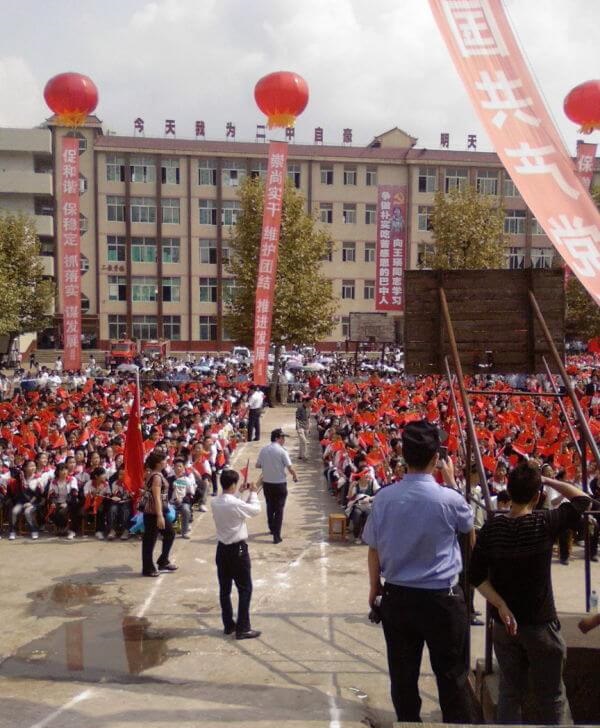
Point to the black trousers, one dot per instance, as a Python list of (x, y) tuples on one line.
[(233, 566), (254, 424), (411, 618), (149, 540), (275, 496)]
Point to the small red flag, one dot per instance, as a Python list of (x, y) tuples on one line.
[(133, 451)]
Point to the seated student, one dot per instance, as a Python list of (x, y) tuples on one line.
[(63, 501), (183, 487), (117, 505), (360, 498), (26, 496), (94, 493)]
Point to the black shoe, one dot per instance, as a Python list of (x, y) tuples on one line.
[(249, 635), (476, 613), (277, 539), (230, 630), (564, 562), (167, 568), (476, 622), (594, 558), (151, 573)]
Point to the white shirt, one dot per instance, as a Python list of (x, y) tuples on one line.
[(273, 461), (230, 512), (256, 399)]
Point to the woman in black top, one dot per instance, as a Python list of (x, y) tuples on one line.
[(155, 519)]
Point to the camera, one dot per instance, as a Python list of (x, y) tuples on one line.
[(375, 613)]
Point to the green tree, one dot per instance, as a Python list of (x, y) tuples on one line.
[(304, 306), (468, 229), (26, 297)]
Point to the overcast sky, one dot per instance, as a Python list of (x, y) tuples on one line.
[(370, 64)]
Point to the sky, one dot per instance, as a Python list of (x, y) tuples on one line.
[(370, 64)]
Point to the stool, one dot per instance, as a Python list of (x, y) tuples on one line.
[(337, 527)]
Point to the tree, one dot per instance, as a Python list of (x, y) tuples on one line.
[(468, 229), (26, 297), (304, 306)]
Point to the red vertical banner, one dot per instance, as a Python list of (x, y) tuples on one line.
[(584, 162), (267, 264), (69, 241), (391, 247)]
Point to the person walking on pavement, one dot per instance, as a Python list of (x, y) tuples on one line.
[(255, 405), (274, 460), (230, 511), (303, 427)]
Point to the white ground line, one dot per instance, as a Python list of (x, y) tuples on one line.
[(335, 713), (67, 706), (144, 608)]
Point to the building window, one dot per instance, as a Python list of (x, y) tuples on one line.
[(456, 178), (536, 228), (208, 251), (542, 257), (83, 184), (345, 327), (115, 168), (224, 254), (143, 250), (349, 214), (326, 212), (43, 206), (207, 172), (169, 171), (116, 249), (117, 288), (425, 252), (171, 250), (208, 328), (427, 179), (349, 252), (424, 213), (516, 258), (143, 169), (143, 209), (293, 173), (327, 174), (83, 224), (115, 208), (328, 256), (487, 181), (509, 188), (170, 210), (228, 287), (370, 214), (82, 141), (369, 252), (117, 326), (144, 289), (258, 169), (230, 211), (348, 289), (514, 222), (208, 290), (371, 179), (171, 289), (234, 171), (208, 212), (172, 328), (47, 246), (349, 175), (144, 327), (369, 290)]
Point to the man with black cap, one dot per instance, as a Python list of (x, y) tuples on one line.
[(412, 533), (274, 460)]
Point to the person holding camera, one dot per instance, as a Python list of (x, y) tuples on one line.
[(230, 511), (412, 534)]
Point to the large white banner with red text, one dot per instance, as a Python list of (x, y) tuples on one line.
[(503, 92), (391, 247), (267, 264), (584, 162), (69, 251)]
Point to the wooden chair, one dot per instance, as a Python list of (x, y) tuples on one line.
[(337, 527)]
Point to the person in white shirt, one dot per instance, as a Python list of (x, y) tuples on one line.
[(274, 460), (255, 404), (230, 511)]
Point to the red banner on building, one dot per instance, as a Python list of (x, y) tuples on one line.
[(488, 59), (69, 242), (391, 247), (267, 264), (584, 162)]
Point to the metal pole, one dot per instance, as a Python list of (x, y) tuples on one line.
[(562, 408), (510, 393), (472, 436), (583, 423), (587, 564), (489, 639), (461, 434)]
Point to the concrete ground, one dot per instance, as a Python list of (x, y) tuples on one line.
[(87, 641)]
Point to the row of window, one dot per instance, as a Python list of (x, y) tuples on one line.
[(146, 327), (486, 181), (349, 213), (349, 290), (514, 221), (145, 289), (514, 257)]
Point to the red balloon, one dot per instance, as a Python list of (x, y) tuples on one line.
[(281, 96), (71, 96), (582, 105)]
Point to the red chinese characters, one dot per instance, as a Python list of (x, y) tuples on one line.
[(391, 247)]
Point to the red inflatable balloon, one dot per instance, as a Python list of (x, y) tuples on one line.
[(582, 105), (71, 96), (281, 96)]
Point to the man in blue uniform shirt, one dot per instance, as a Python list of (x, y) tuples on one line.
[(412, 534)]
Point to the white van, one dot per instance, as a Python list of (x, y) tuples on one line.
[(241, 352)]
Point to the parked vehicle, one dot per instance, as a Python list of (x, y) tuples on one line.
[(123, 351), (156, 349)]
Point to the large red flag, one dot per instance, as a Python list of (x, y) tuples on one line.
[(134, 448)]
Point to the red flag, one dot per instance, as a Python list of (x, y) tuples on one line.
[(134, 448)]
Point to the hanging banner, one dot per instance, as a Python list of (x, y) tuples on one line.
[(69, 251), (267, 264), (584, 162), (504, 94), (391, 247)]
